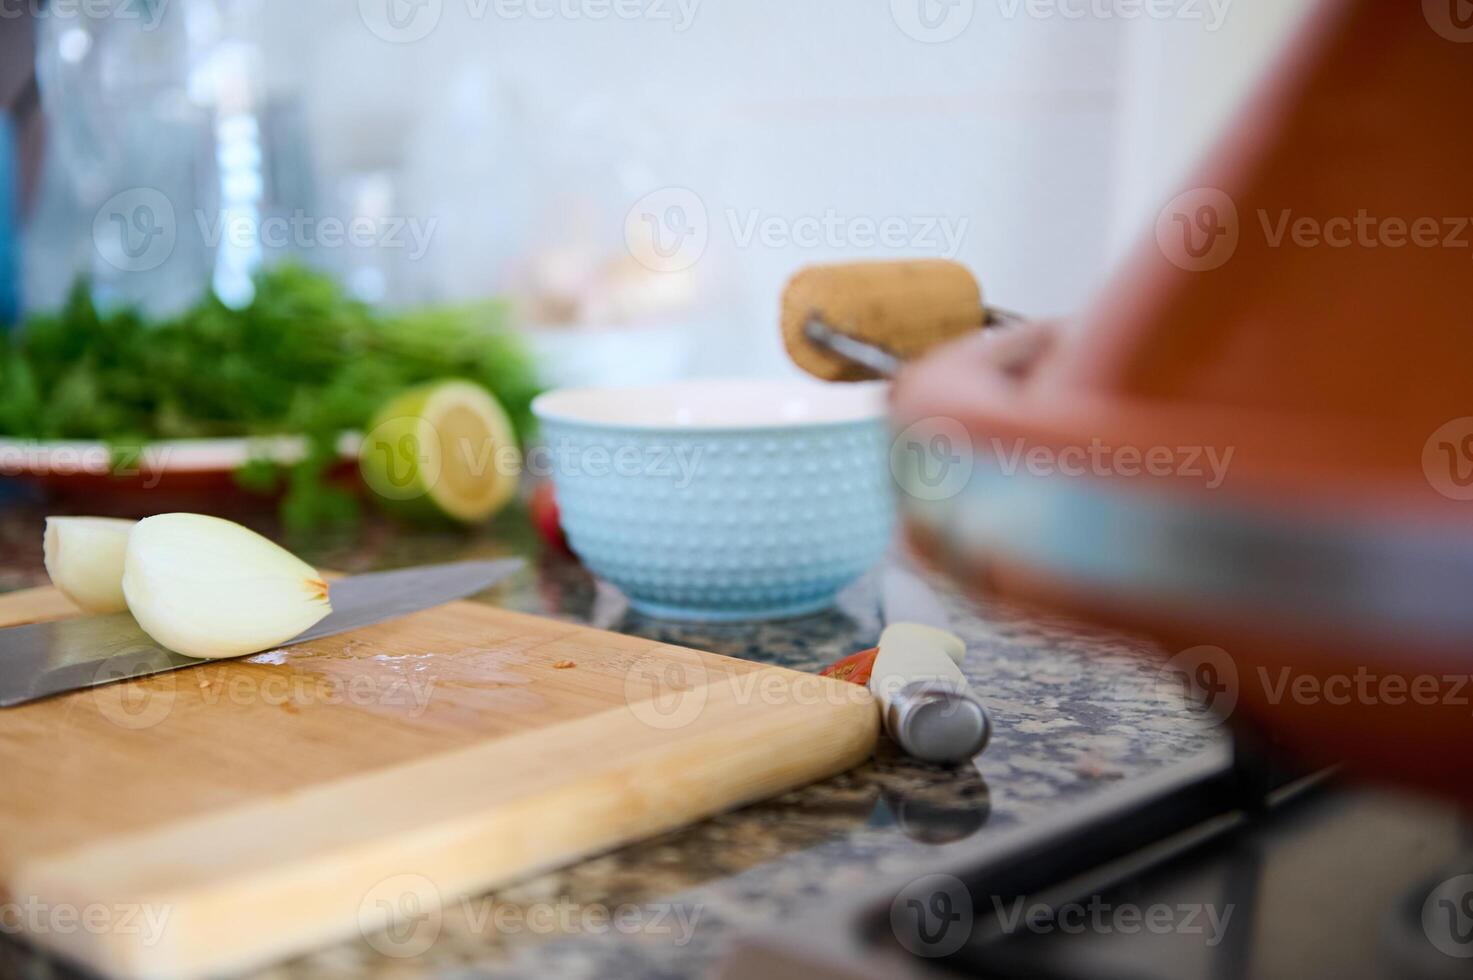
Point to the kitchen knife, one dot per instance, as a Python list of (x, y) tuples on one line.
[(926, 705), (42, 659)]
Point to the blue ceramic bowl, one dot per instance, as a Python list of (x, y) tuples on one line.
[(722, 500)]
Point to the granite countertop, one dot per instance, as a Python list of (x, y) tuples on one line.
[(1074, 710)]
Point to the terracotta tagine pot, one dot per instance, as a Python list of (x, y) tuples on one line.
[(1258, 444)]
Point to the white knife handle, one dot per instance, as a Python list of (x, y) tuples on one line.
[(924, 698)]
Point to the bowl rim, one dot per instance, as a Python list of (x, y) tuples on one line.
[(871, 395)]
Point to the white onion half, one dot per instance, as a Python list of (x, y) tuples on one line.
[(209, 588), (84, 557)]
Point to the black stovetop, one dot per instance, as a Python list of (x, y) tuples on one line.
[(1229, 865), (1342, 883)]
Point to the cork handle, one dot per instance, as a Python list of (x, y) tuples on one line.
[(905, 308)]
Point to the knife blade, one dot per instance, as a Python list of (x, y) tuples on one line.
[(926, 704), (905, 598), (42, 659)]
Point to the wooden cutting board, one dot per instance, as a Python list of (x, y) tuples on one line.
[(230, 814)]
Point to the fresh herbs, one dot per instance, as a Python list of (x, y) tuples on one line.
[(301, 359)]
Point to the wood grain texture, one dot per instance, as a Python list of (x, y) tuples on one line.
[(265, 805)]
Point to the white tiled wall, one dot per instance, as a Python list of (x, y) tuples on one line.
[(792, 108)]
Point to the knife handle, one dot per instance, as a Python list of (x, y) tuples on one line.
[(925, 702), (937, 722)]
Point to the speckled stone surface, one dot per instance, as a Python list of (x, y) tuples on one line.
[(1074, 711)]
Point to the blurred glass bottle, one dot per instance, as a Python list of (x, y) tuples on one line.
[(179, 142), (9, 208)]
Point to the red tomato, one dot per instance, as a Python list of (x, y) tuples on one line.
[(855, 668), (544, 513)]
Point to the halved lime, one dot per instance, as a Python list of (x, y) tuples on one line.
[(445, 449)]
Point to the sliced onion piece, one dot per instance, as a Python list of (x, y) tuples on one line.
[(84, 557), (209, 588)]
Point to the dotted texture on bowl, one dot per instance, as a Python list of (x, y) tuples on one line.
[(725, 525)]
